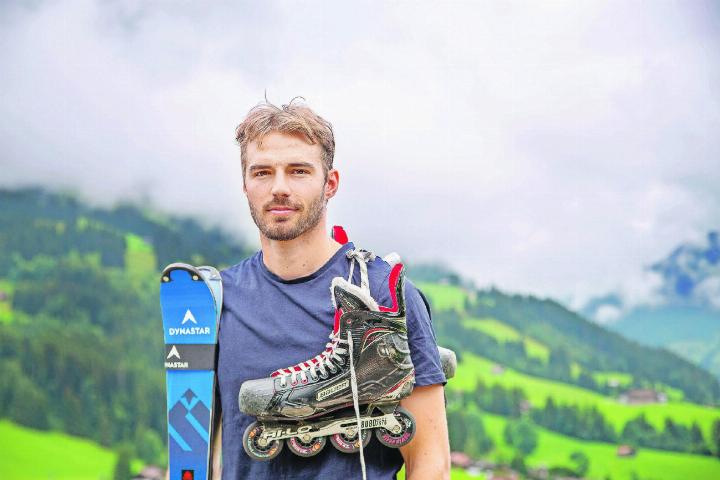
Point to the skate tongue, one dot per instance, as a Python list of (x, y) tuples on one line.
[(348, 297)]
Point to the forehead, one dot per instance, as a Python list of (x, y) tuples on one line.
[(277, 147)]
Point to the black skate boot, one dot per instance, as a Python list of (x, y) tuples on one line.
[(365, 366)]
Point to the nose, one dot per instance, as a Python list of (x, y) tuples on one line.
[(280, 186)]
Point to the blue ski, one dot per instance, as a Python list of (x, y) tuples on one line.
[(191, 302)]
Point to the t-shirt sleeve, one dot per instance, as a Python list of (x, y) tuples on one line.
[(421, 337)]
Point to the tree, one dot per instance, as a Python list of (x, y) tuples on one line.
[(518, 463), (122, 464), (581, 461), (457, 430), (521, 435), (715, 437), (478, 441), (697, 441), (638, 432)]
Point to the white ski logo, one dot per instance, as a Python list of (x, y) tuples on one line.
[(176, 364), (173, 353), (188, 317)]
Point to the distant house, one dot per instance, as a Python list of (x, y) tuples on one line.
[(151, 472), (525, 406), (4, 296), (642, 396), (460, 459), (497, 369), (506, 475), (625, 451)]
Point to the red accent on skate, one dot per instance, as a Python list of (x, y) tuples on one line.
[(336, 327), (339, 235), (367, 335), (401, 382), (392, 285)]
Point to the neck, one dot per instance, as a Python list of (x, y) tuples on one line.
[(301, 256)]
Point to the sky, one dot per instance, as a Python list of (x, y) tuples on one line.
[(551, 148)]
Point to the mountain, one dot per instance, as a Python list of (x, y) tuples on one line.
[(571, 389), (683, 314)]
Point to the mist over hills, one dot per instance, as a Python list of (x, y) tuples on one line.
[(682, 311)]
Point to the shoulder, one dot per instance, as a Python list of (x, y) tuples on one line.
[(241, 269)]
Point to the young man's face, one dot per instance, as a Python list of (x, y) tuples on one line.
[(286, 185)]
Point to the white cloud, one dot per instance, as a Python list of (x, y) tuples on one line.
[(547, 148)]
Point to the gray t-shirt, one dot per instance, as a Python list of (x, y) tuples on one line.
[(269, 323)]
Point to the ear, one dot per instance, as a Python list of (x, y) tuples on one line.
[(332, 184)]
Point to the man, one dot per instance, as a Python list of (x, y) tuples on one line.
[(278, 309)]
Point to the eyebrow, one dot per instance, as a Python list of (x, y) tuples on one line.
[(293, 164), (301, 164)]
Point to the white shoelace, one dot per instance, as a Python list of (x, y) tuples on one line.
[(330, 359), (356, 404)]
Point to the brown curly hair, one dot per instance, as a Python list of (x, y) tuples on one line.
[(294, 118)]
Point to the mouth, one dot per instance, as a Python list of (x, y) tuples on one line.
[(281, 210)]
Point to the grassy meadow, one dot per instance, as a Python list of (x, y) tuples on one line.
[(473, 368), (29, 454)]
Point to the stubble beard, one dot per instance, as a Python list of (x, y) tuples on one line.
[(278, 229)]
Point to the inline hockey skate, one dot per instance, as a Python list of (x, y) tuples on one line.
[(365, 367)]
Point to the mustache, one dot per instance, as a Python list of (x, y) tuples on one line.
[(282, 202)]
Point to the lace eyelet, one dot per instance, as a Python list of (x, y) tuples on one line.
[(305, 381)]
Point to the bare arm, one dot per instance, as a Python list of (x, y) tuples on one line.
[(216, 448), (427, 456)]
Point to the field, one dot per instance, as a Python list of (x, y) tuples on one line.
[(139, 257), (554, 449), (32, 455), (6, 290), (537, 390), (503, 332), (444, 297)]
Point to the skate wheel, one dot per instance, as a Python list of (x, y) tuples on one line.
[(349, 444), (306, 449), (401, 438), (253, 448)]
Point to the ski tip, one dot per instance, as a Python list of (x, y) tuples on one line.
[(212, 272), (167, 271)]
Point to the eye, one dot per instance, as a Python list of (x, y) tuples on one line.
[(300, 171), (261, 173)]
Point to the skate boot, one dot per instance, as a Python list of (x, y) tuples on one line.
[(365, 367)]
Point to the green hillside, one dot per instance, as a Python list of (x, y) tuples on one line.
[(505, 333), (542, 338), (80, 343), (554, 450), (473, 369), (525, 358), (29, 454)]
